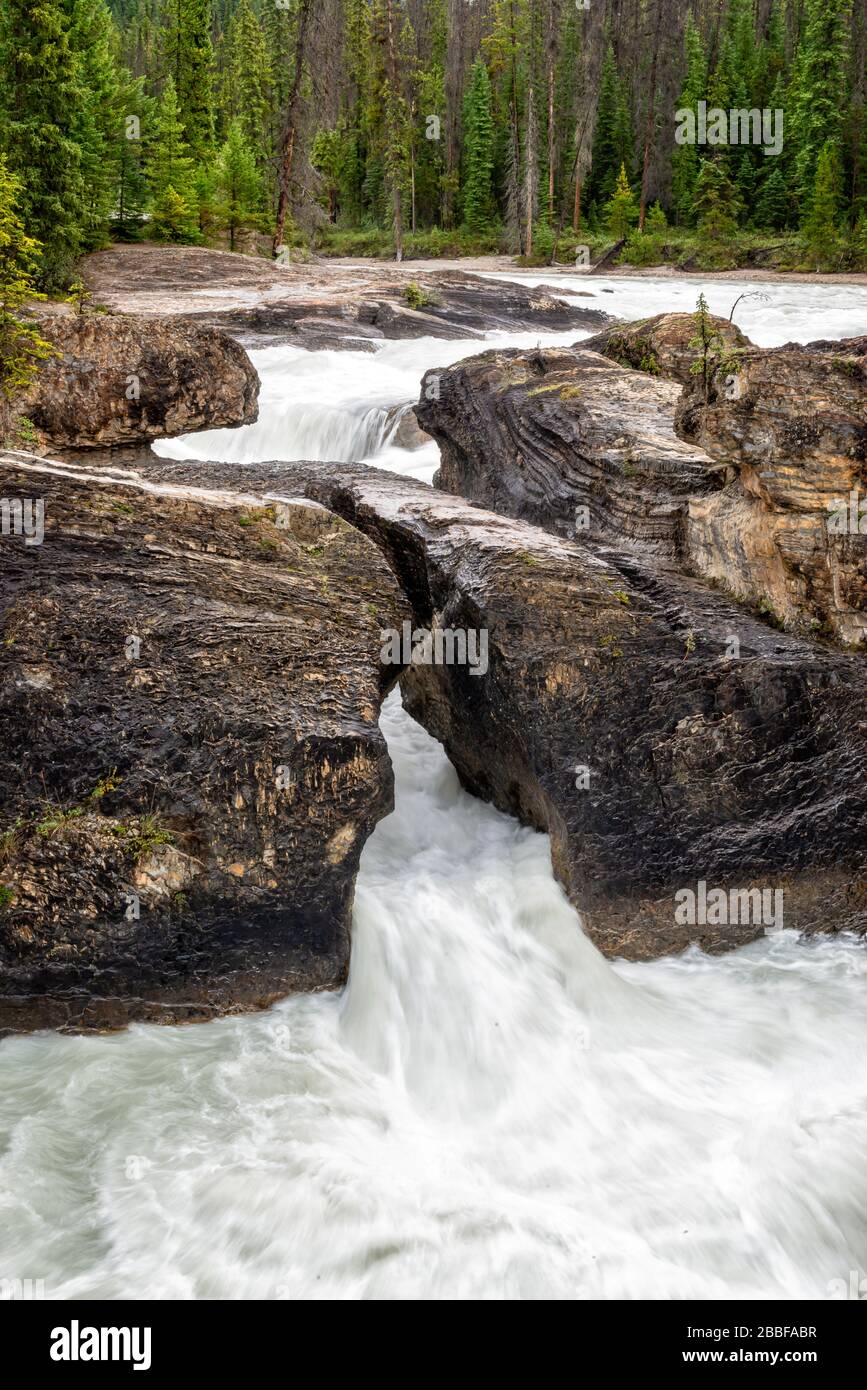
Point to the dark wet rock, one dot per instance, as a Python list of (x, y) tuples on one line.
[(566, 439), (117, 380), (715, 750), (189, 690)]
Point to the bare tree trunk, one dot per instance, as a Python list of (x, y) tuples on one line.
[(551, 60), (290, 126), (412, 186), (530, 172), (394, 84), (516, 134), (651, 117)]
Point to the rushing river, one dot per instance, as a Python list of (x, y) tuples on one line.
[(490, 1109)]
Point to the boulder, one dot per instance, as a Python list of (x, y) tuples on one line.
[(669, 742), (789, 532), (189, 688), (115, 380), (408, 433), (568, 440), (663, 345)]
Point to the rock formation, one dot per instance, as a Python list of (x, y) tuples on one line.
[(663, 736), (315, 307), (191, 763), (115, 379), (568, 440), (664, 345), (789, 532), (768, 499)]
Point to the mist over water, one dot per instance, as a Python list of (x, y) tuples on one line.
[(490, 1109)]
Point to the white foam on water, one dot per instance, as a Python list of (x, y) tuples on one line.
[(771, 313), (490, 1109)]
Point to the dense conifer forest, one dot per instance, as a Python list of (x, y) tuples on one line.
[(424, 127)]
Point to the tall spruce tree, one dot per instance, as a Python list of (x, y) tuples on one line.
[(188, 58), (247, 86), (820, 88), (46, 111), (478, 200), (238, 186), (821, 225), (171, 174), (612, 141), (685, 159)]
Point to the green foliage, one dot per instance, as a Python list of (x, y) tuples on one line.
[(170, 175), (477, 190), (772, 204), (613, 141), (417, 297), (821, 226), (238, 186), (188, 60), (647, 247), (621, 210), (21, 347), (819, 88), (685, 159), (713, 354), (396, 124), (717, 207), (44, 127)]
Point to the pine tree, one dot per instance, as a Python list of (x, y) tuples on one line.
[(821, 226), (745, 185), (716, 208), (21, 347), (246, 93), (108, 98), (820, 87), (170, 174), (478, 201), (45, 107), (612, 141), (238, 185), (861, 242), (772, 204), (188, 58), (621, 210), (685, 160)]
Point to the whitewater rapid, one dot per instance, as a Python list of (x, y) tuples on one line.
[(489, 1110)]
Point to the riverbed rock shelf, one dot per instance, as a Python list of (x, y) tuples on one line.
[(660, 733)]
